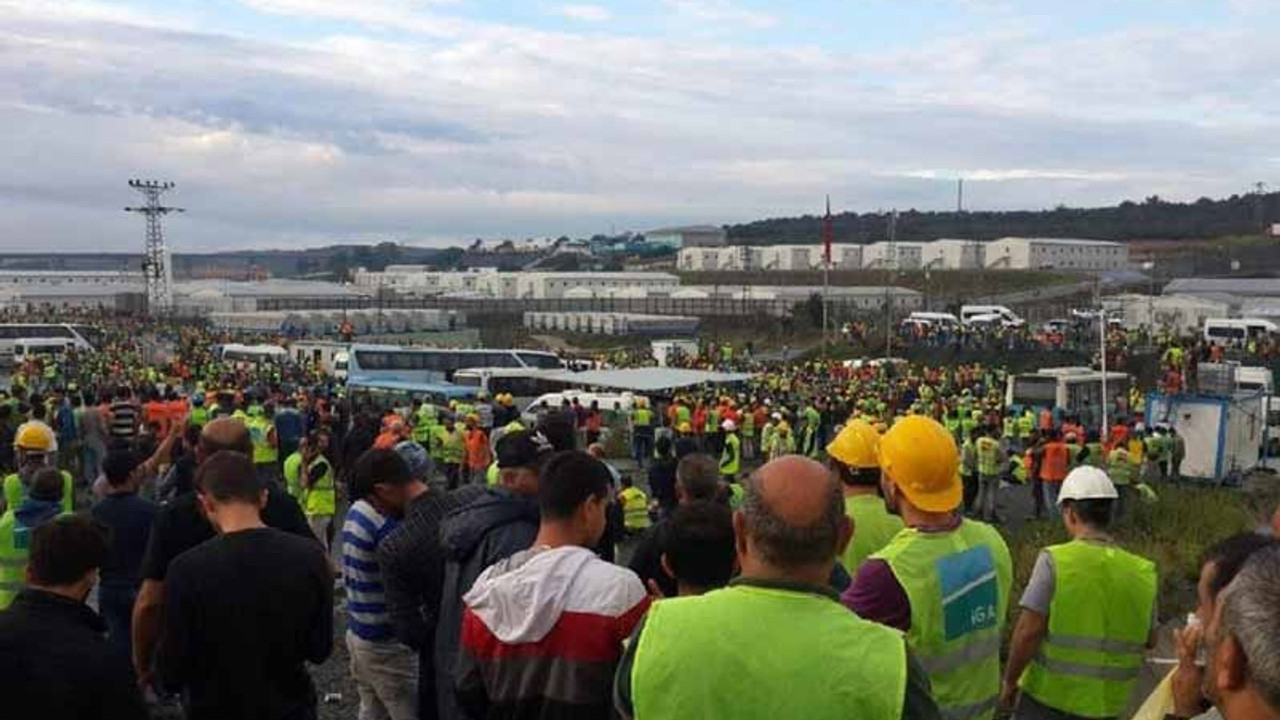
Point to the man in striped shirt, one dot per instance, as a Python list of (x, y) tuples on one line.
[(385, 671)]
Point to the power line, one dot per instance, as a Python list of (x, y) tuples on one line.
[(157, 266)]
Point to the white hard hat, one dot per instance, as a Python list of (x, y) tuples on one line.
[(729, 425), (1139, 427), (1087, 483)]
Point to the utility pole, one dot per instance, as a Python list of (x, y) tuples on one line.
[(960, 196), (891, 260), (157, 266), (827, 232)]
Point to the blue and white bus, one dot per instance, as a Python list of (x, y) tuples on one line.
[(436, 365)]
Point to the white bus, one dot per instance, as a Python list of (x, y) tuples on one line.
[(330, 357), (524, 384), (1237, 332), (25, 348), (10, 333), (244, 357), (435, 365), (1068, 388)]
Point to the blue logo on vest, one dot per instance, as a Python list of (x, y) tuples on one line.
[(969, 591)]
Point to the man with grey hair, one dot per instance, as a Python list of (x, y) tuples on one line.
[(1242, 677), (776, 642), (697, 480)]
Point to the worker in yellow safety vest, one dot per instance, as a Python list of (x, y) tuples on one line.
[(854, 456), (731, 455), (955, 573), (41, 504), (319, 495), (773, 644), (635, 507), (987, 451), (1088, 614), (34, 446)]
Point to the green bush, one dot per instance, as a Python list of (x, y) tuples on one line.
[(1173, 533)]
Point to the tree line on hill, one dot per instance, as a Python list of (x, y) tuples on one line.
[(1151, 219)]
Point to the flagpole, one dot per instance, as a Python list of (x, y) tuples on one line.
[(826, 278)]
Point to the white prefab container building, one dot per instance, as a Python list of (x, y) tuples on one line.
[(612, 323), (1223, 435), (877, 256), (1013, 253), (949, 254)]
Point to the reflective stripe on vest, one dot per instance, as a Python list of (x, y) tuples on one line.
[(958, 585), (1099, 623), (861, 672)]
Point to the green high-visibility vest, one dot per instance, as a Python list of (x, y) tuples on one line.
[(958, 584), (424, 424), (1073, 451), (293, 475), (736, 496), (1119, 469), (15, 543), (1010, 427), (952, 424), (731, 456), (450, 444), (861, 673), (321, 498), (1095, 458), (683, 414), (1099, 624), (263, 452), (15, 493), (988, 450), (635, 508), (873, 528), (492, 475), (642, 417), (199, 416), (1026, 424), (748, 428), (1019, 469)]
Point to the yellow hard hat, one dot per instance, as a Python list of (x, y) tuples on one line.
[(35, 438), (919, 456), (684, 428), (857, 446)]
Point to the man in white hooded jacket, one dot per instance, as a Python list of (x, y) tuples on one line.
[(543, 630)]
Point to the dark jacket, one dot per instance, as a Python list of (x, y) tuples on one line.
[(55, 663), (495, 526)]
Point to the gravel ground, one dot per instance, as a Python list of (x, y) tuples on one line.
[(334, 676)]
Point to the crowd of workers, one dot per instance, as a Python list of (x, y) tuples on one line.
[(491, 567)]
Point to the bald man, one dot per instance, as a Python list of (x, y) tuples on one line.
[(181, 525), (776, 642)]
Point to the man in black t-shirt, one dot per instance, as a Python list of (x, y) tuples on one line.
[(245, 611), (182, 525)]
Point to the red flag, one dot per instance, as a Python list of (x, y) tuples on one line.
[(827, 232)]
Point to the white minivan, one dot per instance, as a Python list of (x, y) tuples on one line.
[(1223, 331), (986, 314)]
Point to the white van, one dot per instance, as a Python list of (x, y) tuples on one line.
[(986, 314), (946, 321), (554, 400), (26, 348), (1255, 379), (1236, 332)]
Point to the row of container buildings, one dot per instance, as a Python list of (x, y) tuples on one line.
[(611, 323), (946, 254), (324, 323)]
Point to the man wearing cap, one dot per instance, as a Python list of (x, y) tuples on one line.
[(944, 580), (412, 562), (1088, 613), (731, 455), (42, 503), (854, 456), (500, 522)]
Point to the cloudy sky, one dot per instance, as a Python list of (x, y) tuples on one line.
[(289, 123)]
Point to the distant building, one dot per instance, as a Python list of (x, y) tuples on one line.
[(69, 278), (1275, 230), (1233, 287), (489, 283), (687, 237), (909, 256), (949, 254), (1014, 253)]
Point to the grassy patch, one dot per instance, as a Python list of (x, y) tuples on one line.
[(1173, 533)]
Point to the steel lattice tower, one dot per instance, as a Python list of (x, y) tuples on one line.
[(156, 265)]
